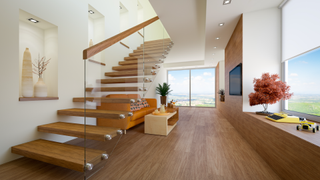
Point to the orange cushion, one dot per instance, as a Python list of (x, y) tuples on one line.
[(138, 114), (117, 96), (135, 96), (149, 109)]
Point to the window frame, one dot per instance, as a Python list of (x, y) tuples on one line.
[(179, 69)]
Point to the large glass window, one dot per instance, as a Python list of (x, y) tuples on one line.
[(301, 75), (192, 87)]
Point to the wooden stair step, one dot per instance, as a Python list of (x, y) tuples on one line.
[(134, 67), (120, 80), (98, 133), (135, 62), (128, 73), (148, 53), (104, 99), (155, 45), (96, 113), (147, 56), (158, 40), (153, 48), (63, 155), (142, 58), (112, 89)]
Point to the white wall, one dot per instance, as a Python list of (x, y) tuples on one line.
[(261, 51), (222, 75)]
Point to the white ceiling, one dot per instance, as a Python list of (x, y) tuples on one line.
[(42, 24), (193, 25), (96, 14)]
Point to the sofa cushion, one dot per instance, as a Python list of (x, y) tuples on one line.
[(149, 109), (138, 114), (134, 96)]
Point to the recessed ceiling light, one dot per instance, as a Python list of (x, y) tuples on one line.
[(120, 7), (91, 12), (221, 24), (213, 54), (217, 38), (215, 47), (33, 20), (226, 2)]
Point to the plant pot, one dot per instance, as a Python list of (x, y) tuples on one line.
[(264, 113), (163, 100), (222, 98), (40, 89)]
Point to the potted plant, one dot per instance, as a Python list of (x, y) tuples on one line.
[(163, 90), (222, 94), (268, 90)]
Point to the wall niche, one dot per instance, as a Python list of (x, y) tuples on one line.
[(41, 37), (96, 31)]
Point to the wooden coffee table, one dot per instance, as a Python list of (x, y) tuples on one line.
[(160, 124)]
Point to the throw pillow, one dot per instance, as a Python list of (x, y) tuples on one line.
[(145, 103)]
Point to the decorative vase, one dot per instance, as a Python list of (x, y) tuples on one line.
[(90, 43), (163, 99), (27, 77), (162, 109), (40, 88), (222, 98)]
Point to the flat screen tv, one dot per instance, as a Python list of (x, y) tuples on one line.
[(235, 81)]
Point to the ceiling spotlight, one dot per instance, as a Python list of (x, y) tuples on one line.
[(217, 38), (213, 54), (226, 2), (120, 7), (215, 47), (221, 24), (91, 12), (33, 20)]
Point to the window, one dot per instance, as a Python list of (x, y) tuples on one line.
[(301, 57), (301, 75), (193, 87)]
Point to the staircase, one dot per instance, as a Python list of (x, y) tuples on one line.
[(140, 66)]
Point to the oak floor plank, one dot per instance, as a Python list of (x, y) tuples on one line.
[(203, 146)]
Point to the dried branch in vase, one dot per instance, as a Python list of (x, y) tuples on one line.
[(40, 65)]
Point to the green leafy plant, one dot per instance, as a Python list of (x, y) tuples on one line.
[(163, 90), (221, 92)]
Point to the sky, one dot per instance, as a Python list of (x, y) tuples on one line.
[(202, 81), (303, 73)]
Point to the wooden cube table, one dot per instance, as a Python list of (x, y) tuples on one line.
[(158, 124)]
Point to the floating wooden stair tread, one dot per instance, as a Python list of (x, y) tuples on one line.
[(158, 44), (146, 51), (153, 48), (104, 99), (112, 89), (159, 40), (96, 113), (128, 73), (139, 62), (134, 67), (149, 53), (120, 80), (64, 155), (145, 58), (98, 133)]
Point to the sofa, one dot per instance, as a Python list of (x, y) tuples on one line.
[(129, 122)]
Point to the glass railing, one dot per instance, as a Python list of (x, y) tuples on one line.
[(115, 82)]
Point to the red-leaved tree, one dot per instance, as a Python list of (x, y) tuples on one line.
[(269, 90)]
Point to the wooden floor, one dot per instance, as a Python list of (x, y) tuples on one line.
[(203, 146)]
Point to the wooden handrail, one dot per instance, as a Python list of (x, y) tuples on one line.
[(95, 49)]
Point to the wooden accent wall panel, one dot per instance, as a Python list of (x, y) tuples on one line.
[(233, 56)]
